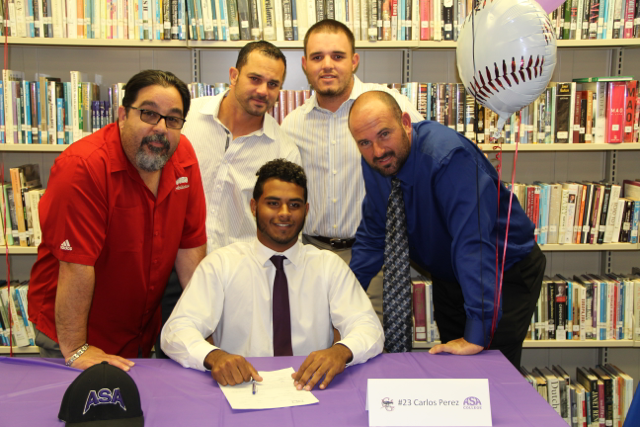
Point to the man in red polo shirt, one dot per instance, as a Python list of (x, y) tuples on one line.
[(122, 207)]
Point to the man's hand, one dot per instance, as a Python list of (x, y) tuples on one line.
[(323, 363), (230, 369), (93, 356), (459, 346)]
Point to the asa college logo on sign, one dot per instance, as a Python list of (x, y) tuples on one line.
[(471, 403)]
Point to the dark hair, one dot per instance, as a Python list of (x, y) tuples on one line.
[(265, 48), (386, 98), (330, 26), (155, 77), (283, 170)]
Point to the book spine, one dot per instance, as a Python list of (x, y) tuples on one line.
[(563, 108), (269, 21), (615, 112), (633, 234), (166, 19), (631, 95), (256, 22), (419, 312), (287, 19), (20, 306), (611, 213), (234, 25), (60, 120), (604, 212)]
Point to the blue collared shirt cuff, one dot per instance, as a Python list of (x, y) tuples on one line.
[(474, 332)]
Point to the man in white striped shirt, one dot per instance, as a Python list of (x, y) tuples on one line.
[(233, 136), (329, 153)]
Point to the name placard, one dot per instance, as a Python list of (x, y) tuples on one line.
[(428, 402)]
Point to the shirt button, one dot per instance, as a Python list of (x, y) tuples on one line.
[(335, 200), (155, 261), (335, 171), (335, 226), (218, 187), (156, 233), (152, 287), (333, 142)]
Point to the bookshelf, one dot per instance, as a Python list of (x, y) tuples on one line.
[(556, 344), (5, 351), (489, 148), (297, 44), (209, 61)]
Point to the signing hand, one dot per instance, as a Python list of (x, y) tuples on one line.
[(94, 355), (323, 363), (230, 369), (459, 346)]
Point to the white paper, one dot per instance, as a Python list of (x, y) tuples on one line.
[(275, 391), (428, 402)]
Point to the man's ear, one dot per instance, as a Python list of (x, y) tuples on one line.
[(354, 62), (122, 115), (406, 124), (233, 76), (254, 205), (306, 210)]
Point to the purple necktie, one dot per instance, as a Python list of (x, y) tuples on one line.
[(281, 314)]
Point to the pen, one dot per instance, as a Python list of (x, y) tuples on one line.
[(254, 389)]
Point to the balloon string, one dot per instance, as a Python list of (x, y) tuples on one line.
[(500, 266)]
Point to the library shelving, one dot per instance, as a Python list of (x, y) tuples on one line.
[(489, 148), (29, 350), (209, 61), (555, 344)]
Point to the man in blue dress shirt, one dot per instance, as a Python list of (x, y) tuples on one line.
[(454, 220)]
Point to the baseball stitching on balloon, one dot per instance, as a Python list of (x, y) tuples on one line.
[(484, 89)]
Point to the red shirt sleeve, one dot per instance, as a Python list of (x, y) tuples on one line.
[(74, 210)]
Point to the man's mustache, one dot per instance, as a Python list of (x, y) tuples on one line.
[(385, 154), (156, 138)]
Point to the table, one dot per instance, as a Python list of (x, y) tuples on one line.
[(31, 390)]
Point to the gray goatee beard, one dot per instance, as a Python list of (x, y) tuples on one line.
[(157, 157)]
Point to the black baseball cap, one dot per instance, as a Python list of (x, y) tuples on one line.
[(102, 396)]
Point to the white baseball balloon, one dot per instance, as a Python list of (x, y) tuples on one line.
[(507, 55)]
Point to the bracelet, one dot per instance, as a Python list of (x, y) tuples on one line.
[(77, 354)]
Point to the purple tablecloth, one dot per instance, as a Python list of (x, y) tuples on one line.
[(31, 390)]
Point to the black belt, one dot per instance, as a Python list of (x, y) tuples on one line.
[(334, 242)]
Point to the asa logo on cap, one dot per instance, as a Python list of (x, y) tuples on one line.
[(104, 396)]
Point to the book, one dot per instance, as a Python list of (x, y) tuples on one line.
[(419, 311), (20, 336), (553, 389), (589, 381), (615, 112), (611, 213), (563, 113), (608, 398), (630, 99)]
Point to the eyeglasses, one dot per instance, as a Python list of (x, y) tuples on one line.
[(153, 118)]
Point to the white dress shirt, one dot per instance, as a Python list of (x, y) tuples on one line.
[(331, 160), (228, 177), (230, 294)]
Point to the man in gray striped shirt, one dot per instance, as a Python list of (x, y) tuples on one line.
[(233, 137), (329, 153)]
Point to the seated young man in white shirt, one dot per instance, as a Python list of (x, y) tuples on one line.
[(231, 295)]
